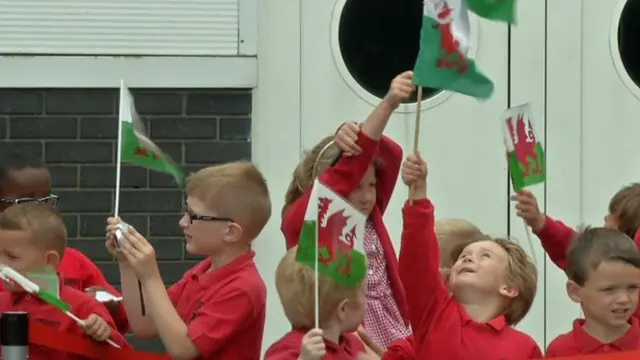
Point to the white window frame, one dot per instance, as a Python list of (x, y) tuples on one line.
[(143, 71)]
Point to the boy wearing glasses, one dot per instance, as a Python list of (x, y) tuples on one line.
[(23, 180), (217, 310)]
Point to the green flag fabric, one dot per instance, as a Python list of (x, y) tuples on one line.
[(525, 153), (47, 279), (501, 10), (444, 40), (332, 236), (136, 148)]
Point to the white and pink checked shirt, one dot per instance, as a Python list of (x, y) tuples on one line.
[(382, 318)]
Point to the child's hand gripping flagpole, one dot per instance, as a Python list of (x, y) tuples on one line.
[(416, 134), (10, 275)]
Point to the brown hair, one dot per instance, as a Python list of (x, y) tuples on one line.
[(42, 221), (625, 206), (451, 234), (235, 190), (522, 274), (295, 283), (316, 161), (593, 246)]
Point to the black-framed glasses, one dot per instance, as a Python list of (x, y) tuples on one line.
[(49, 199), (197, 217)]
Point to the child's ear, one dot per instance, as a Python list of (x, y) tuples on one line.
[(573, 290), (342, 309), (508, 291), (234, 232), (52, 259)]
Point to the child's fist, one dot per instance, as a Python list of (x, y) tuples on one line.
[(414, 170), (527, 208), (97, 328), (313, 347), (401, 88), (346, 138)]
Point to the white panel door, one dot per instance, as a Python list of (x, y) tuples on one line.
[(527, 85), (460, 136)]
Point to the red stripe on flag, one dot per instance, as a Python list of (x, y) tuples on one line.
[(46, 336)]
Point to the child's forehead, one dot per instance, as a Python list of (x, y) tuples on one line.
[(612, 270), (484, 245)]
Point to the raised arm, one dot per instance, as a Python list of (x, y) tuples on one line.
[(390, 158), (556, 237), (419, 261), (346, 174)]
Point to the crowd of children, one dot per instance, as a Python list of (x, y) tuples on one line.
[(453, 293)]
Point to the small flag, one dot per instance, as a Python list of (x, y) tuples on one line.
[(444, 40), (46, 279), (501, 10), (338, 230), (136, 148), (12, 276), (525, 153)]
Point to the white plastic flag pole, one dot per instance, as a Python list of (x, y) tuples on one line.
[(116, 203), (10, 275), (531, 248)]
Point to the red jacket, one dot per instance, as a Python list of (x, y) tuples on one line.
[(556, 237), (343, 178), (400, 350)]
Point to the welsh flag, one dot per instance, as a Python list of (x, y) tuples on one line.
[(336, 229), (501, 10), (444, 40), (135, 147), (525, 153)]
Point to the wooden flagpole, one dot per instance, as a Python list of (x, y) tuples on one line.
[(416, 134)]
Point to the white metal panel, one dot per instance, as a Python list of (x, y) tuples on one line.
[(139, 72), (119, 27)]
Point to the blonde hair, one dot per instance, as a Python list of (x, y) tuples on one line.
[(451, 234), (522, 274), (295, 283), (315, 161), (235, 190), (42, 221), (625, 206)]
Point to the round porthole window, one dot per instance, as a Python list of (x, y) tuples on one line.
[(624, 43), (375, 40)]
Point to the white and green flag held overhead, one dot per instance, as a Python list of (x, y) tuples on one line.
[(444, 43), (136, 148), (333, 237)]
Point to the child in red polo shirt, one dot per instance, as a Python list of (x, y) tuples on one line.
[(604, 277), (33, 237), (491, 287), (26, 179), (217, 311), (361, 165), (341, 312)]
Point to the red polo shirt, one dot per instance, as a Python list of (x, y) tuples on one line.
[(82, 305), (224, 309), (579, 342), (79, 272), (442, 329), (288, 347)]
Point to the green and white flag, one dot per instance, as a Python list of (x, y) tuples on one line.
[(444, 42), (47, 279), (13, 277), (134, 145), (501, 10), (332, 236), (525, 153)]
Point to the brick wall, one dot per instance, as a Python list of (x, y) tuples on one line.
[(74, 131)]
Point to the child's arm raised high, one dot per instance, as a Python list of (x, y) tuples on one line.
[(420, 254), (345, 176)]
